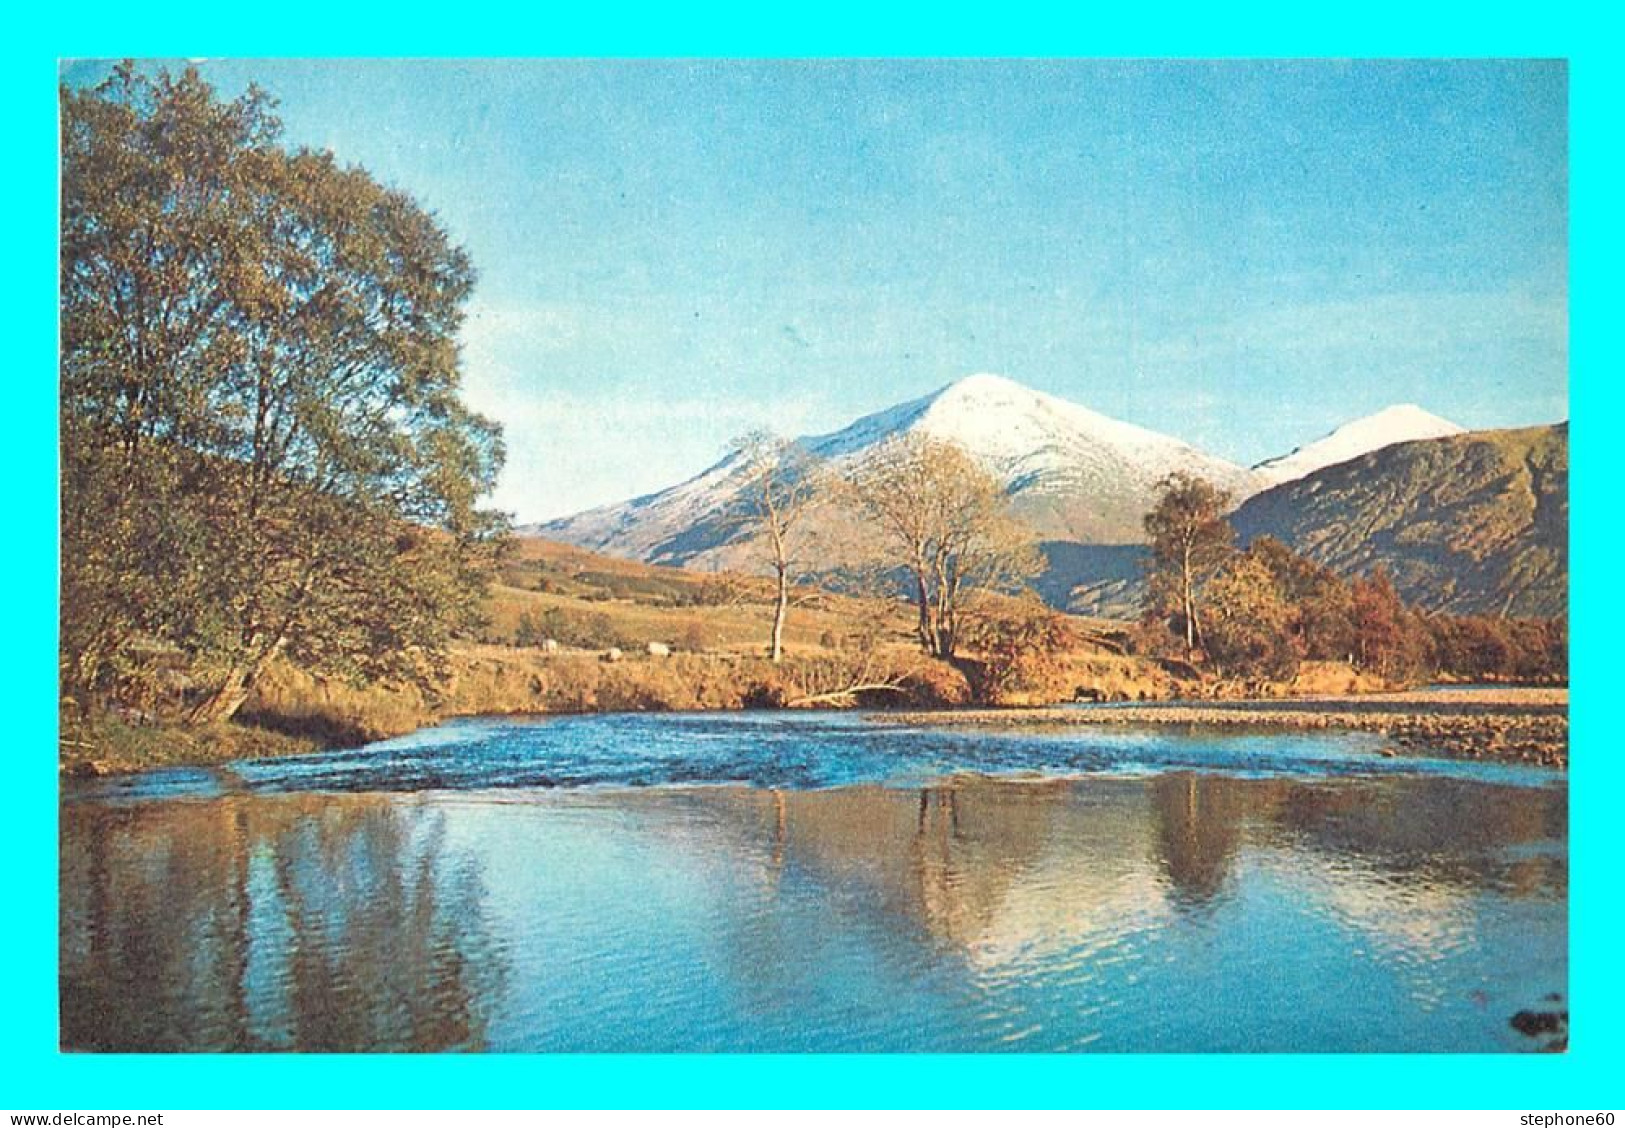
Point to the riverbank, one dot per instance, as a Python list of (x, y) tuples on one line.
[(1522, 724), (1513, 724), (110, 746), (293, 712)]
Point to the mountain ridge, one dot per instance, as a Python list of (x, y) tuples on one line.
[(1072, 473), (1396, 487)]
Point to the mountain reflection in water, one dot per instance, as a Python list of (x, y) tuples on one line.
[(1179, 912)]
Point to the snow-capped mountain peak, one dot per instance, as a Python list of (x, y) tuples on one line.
[(1072, 473), (1398, 423)]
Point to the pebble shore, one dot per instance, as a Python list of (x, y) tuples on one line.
[(1527, 725)]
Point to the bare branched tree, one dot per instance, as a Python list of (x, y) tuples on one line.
[(784, 484), (947, 523)]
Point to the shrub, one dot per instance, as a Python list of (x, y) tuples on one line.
[(1021, 646), (529, 632)]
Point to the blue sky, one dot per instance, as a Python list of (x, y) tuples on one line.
[(1241, 254)]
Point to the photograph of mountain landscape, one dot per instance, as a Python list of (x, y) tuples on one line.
[(977, 555)]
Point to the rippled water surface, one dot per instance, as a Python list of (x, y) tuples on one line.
[(816, 882)]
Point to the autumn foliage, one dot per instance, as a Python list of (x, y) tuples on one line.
[(1259, 612)]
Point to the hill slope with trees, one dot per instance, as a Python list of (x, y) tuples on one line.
[(1469, 524)]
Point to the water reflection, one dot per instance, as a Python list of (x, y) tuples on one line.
[(1199, 822), (1182, 912), (311, 923)]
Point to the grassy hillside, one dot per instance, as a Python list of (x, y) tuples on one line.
[(598, 601), (715, 628)]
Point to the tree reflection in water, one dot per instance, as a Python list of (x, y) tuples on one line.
[(1199, 826), (262, 923), (977, 865)]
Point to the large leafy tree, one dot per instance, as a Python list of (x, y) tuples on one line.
[(1321, 603), (263, 448)]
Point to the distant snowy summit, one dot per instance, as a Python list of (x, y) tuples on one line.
[(1401, 423)]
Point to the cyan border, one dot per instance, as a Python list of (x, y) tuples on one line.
[(37, 1076)]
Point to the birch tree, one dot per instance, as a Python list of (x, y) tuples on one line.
[(784, 485), (1190, 541)]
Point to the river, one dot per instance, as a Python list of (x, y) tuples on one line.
[(788, 882)]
